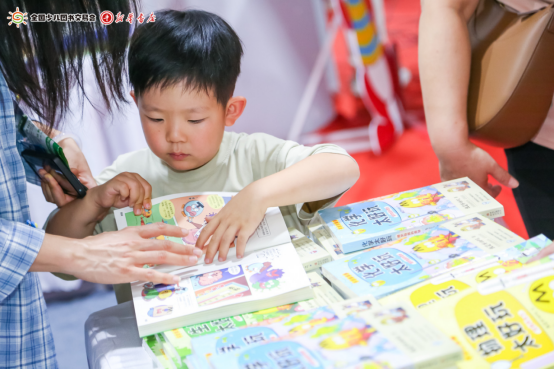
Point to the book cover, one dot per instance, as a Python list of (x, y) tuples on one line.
[(155, 350), (208, 292), (396, 265), (355, 341), (283, 325), (311, 255), (189, 211), (381, 220), (470, 275), (180, 338), (504, 323)]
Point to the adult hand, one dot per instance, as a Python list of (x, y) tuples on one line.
[(118, 257), (53, 185), (471, 161)]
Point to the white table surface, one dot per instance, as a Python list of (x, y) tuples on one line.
[(112, 340)]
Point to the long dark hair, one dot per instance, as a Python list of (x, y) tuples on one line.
[(42, 61)]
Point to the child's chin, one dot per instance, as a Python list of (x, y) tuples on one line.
[(182, 165)]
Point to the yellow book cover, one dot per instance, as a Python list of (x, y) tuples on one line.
[(470, 275), (506, 323)]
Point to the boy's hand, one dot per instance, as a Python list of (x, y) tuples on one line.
[(239, 218), (125, 190)]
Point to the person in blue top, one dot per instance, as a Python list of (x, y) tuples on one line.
[(40, 62)]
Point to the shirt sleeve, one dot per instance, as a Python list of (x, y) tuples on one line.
[(19, 246)]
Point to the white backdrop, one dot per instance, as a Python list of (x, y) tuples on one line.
[(280, 41)]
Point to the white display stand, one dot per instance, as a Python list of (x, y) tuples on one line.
[(112, 340)]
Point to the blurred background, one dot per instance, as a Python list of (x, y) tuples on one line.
[(307, 78)]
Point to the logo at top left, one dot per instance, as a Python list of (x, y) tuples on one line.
[(106, 17), (17, 18)]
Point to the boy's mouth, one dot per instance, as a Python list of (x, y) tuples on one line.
[(178, 156)]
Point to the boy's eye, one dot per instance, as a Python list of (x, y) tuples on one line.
[(196, 120), (155, 119)]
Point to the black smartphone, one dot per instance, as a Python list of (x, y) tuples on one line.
[(38, 160)]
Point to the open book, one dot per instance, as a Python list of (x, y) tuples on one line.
[(270, 273), (189, 211)]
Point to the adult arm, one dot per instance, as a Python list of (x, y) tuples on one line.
[(444, 63), (116, 257)]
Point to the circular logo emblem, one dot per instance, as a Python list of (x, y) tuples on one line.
[(17, 18), (106, 17)]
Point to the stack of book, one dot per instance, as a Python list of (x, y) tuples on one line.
[(419, 279)]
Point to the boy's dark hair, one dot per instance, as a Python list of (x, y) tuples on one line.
[(193, 46)]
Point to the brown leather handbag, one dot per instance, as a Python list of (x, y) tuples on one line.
[(512, 73)]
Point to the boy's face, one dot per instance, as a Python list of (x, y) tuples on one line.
[(183, 127)]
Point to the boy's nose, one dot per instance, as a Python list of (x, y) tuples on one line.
[(174, 134)]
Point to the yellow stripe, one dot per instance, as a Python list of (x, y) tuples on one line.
[(370, 59), (357, 11), (366, 35)]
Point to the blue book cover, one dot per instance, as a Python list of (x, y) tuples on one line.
[(396, 265), (375, 222)]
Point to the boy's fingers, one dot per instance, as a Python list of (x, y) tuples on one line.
[(157, 229), (226, 241), (206, 232), (147, 188), (241, 244), (214, 245), (153, 276)]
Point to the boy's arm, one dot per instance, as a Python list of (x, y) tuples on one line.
[(321, 176), (78, 218)]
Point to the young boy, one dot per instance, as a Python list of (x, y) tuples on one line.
[(183, 69)]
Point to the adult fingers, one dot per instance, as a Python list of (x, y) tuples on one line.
[(503, 176), (46, 191), (157, 229), (206, 232), (64, 182), (162, 257), (60, 198), (153, 276), (494, 190), (226, 241), (169, 246), (546, 251)]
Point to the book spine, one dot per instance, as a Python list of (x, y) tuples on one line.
[(314, 265), (447, 361), (493, 213), (337, 285)]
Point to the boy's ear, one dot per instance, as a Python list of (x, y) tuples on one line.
[(235, 107), (132, 93)]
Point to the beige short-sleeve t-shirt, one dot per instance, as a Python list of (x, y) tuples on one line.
[(545, 136), (241, 160)]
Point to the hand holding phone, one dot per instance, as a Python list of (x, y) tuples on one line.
[(45, 164)]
